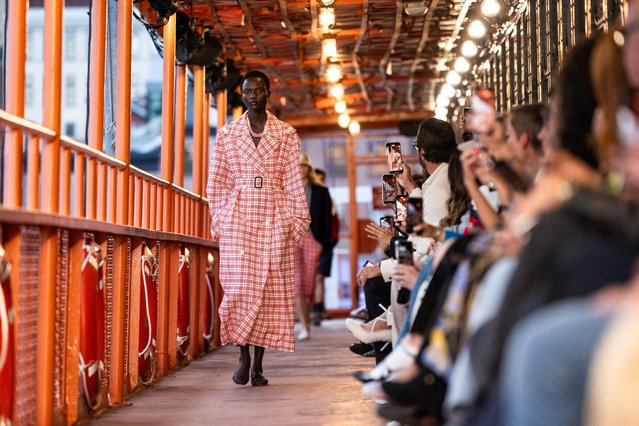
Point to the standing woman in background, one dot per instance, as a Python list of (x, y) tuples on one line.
[(311, 246), (259, 213)]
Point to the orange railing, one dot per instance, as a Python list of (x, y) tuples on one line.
[(70, 193)]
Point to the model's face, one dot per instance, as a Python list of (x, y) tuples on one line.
[(255, 94)]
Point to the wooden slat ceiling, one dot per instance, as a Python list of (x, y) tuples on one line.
[(388, 58)]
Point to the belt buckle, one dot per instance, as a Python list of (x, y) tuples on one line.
[(255, 182)]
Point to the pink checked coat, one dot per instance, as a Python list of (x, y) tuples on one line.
[(258, 230)]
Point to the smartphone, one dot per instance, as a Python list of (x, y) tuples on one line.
[(386, 222), (394, 157), (404, 252), (389, 189), (413, 213), (400, 207)]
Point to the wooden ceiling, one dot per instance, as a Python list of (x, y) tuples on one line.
[(389, 60)]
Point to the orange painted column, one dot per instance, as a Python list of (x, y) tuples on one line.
[(198, 104), (122, 151), (33, 172), (16, 55), (168, 129), (51, 94), (167, 268), (352, 215), (180, 125), (96, 106)]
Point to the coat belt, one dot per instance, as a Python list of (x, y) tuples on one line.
[(258, 182)]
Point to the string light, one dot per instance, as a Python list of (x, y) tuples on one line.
[(327, 18), (354, 128), (469, 49), (340, 107), (490, 8), (329, 47), (337, 91), (343, 120), (476, 29), (333, 73), (328, 2), (442, 101), (461, 65), (453, 78), (448, 90), (441, 111)]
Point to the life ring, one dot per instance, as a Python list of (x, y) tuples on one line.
[(209, 303), (91, 354), (147, 342), (183, 322), (7, 356)]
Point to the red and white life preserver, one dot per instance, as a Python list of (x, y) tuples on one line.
[(183, 322), (209, 303), (91, 355), (147, 343), (7, 360)]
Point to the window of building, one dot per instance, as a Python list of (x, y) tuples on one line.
[(28, 91), (69, 129), (70, 44), (70, 91)]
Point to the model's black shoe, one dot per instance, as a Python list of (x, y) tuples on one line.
[(412, 416), (257, 379), (360, 348)]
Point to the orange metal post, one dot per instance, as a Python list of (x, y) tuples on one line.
[(198, 100), (16, 54), (172, 312), (146, 210), (33, 170), (168, 128), (118, 342), (134, 312), (96, 107), (65, 182), (168, 268), (131, 198), (123, 112), (138, 202), (206, 134), (195, 284), (152, 205), (79, 186), (113, 194), (352, 215), (180, 125), (102, 192), (159, 215), (50, 203), (73, 326)]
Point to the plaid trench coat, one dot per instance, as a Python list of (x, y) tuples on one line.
[(259, 213)]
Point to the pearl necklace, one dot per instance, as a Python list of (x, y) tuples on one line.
[(253, 134)]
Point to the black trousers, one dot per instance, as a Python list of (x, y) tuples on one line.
[(376, 292)]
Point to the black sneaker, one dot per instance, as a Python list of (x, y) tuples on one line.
[(361, 348)]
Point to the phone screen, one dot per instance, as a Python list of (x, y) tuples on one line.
[(394, 157), (404, 252), (389, 189), (400, 208), (413, 213), (386, 222)]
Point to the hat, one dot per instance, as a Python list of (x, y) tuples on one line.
[(305, 159)]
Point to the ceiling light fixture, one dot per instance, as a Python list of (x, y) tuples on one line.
[(343, 120), (337, 91), (333, 73), (453, 78), (461, 65), (329, 47), (490, 8), (469, 49), (354, 128), (328, 2), (340, 107), (327, 18), (415, 8), (476, 29)]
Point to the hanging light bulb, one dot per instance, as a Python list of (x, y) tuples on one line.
[(469, 48), (447, 90), (453, 78), (441, 111), (329, 47), (333, 73), (343, 120), (476, 29), (326, 18), (490, 8), (442, 101), (328, 2), (461, 65), (337, 91), (340, 107), (354, 128)]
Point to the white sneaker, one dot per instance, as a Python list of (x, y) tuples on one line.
[(303, 335)]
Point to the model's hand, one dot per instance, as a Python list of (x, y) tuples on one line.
[(405, 180), (368, 272), (406, 275), (375, 232)]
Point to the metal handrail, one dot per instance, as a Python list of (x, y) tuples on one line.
[(26, 125)]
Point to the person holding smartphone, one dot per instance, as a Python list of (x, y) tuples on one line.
[(259, 213)]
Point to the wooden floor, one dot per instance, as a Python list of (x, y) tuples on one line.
[(312, 386)]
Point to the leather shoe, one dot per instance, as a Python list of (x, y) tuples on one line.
[(360, 348)]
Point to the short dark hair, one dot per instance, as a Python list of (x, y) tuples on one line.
[(320, 172), (528, 119), (437, 138), (257, 74)]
